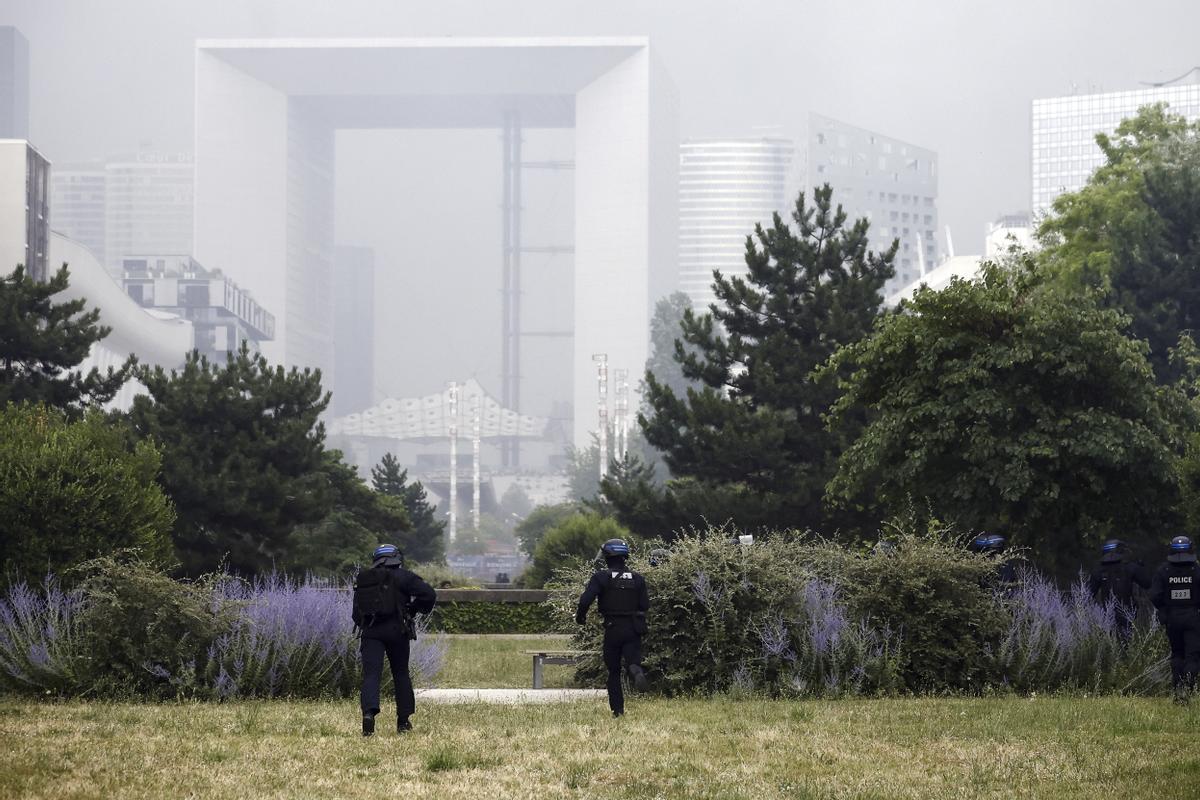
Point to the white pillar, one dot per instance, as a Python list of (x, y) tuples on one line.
[(475, 463), (601, 360), (452, 412)]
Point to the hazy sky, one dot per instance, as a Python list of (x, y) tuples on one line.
[(957, 77)]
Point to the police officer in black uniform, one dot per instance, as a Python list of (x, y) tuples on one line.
[(386, 597), (1114, 579), (1010, 569), (1175, 592), (623, 602)]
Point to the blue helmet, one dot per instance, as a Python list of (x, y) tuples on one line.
[(388, 555), (1181, 549), (614, 548), (988, 543)]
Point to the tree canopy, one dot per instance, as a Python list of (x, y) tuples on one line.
[(42, 342), (748, 439), (1014, 409), (1134, 230), (243, 456), (71, 490)]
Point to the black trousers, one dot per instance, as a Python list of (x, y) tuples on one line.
[(396, 649), (1183, 632), (622, 642)]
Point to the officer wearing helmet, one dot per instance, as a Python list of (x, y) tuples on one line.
[(623, 602), (1175, 592), (1009, 571), (1114, 580), (386, 597)]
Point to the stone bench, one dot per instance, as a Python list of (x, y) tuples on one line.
[(543, 657)]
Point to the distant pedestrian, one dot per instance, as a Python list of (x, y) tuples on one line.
[(623, 603), (1175, 592), (386, 598), (1114, 579)]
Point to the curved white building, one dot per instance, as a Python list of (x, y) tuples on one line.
[(157, 339), (726, 186)]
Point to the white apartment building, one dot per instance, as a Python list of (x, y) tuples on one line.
[(24, 209), (1064, 131)]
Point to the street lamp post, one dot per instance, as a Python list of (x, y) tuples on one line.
[(601, 360)]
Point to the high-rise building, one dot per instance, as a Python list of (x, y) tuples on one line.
[(890, 182), (77, 198), (353, 329), (222, 315), (24, 208), (1065, 153), (14, 84), (726, 186), (148, 206)]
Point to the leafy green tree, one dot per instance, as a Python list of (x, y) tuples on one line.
[(74, 490), (534, 527), (577, 538), (754, 429), (41, 343), (1134, 230), (424, 541), (243, 456), (1012, 409), (335, 545)]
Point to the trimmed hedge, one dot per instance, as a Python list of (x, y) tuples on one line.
[(485, 617)]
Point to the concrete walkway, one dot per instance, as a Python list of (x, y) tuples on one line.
[(507, 696)]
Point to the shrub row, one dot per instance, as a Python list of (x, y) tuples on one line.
[(482, 617), (794, 615), (127, 630)]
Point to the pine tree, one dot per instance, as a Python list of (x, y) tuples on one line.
[(755, 429), (424, 539), (41, 342), (243, 456)]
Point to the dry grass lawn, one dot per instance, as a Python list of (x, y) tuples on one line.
[(498, 662), (1056, 747)]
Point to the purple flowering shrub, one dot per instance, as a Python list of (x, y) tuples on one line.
[(1067, 640), (39, 639), (129, 630)]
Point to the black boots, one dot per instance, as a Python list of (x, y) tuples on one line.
[(368, 724), (403, 726), (638, 675)]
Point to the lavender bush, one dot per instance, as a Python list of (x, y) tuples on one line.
[(274, 637), (1056, 640)]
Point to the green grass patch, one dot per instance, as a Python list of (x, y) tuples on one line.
[(1045, 747), (498, 662)]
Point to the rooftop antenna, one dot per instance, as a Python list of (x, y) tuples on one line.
[(949, 243), (921, 253)]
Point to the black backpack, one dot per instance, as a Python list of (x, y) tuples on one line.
[(376, 595)]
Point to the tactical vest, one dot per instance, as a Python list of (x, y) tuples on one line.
[(1116, 581), (620, 595), (1182, 586)]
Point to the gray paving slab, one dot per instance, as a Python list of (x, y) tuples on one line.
[(507, 696)]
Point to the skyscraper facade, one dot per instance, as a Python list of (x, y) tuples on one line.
[(1065, 153), (353, 329), (77, 197), (24, 209), (726, 186), (14, 84), (148, 206), (892, 183)]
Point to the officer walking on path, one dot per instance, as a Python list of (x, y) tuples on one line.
[(1175, 592), (1114, 579), (623, 602), (386, 597)]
